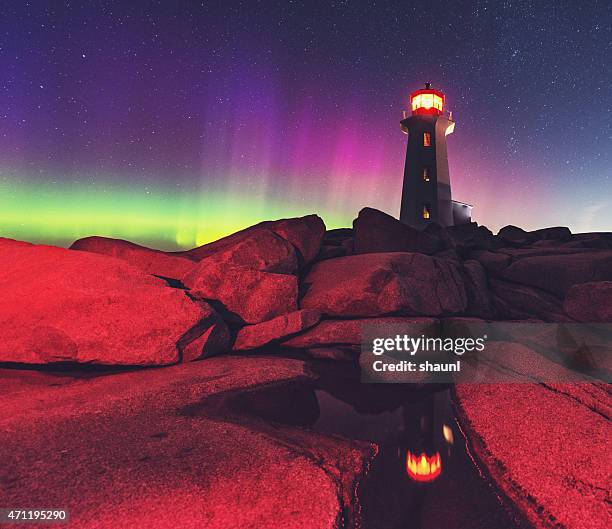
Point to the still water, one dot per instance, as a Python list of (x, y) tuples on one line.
[(424, 476)]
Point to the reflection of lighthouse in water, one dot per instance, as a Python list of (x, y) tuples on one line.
[(418, 445)]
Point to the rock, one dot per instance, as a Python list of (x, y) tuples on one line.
[(493, 262), (304, 234), (339, 354), (150, 261), (250, 278), (338, 235), (516, 302), (450, 254), (375, 231), (336, 243), (149, 443), (594, 243), (215, 339), (261, 250), (537, 250), (600, 240), (347, 332), (479, 299), (250, 296), (384, 283), (471, 236), (557, 233), (254, 336), (543, 446), (590, 302), (545, 243), (436, 231), (514, 235), (62, 305), (557, 273), (331, 252)]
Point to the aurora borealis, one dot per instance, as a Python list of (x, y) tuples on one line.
[(173, 123)]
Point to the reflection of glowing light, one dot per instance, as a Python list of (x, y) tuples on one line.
[(423, 467), (447, 432)]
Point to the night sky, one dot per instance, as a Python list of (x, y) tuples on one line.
[(172, 123)]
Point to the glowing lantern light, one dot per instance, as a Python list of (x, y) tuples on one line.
[(423, 468), (427, 101)]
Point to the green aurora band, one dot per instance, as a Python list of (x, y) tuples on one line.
[(168, 219)]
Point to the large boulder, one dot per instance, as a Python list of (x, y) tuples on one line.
[(274, 330), (518, 302), (303, 233), (61, 305), (514, 235), (556, 233), (544, 445), (251, 278), (261, 250), (150, 261), (248, 295), (590, 302), (375, 231), (385, 283), (557, 273)]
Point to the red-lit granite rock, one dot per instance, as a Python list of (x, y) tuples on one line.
[(61, 305), (546, 446), (261, 250), (251, 278), (254, 336), (150, 261), (375, 231), (516, 302), (590, 302), (383, 283), (557, 273), (148, 444), (210, 339), (348, 332), (479, 298), (249, 295), (337, 353), (304, 233)]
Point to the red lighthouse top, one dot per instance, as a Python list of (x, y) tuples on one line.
[(427, 101)]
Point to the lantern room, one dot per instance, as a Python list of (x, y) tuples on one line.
[(427, 101)]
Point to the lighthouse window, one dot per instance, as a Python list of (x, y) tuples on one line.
[(426, 212), (426, 176), (426, 139)]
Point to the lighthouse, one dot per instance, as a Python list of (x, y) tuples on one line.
[(426, 193)]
